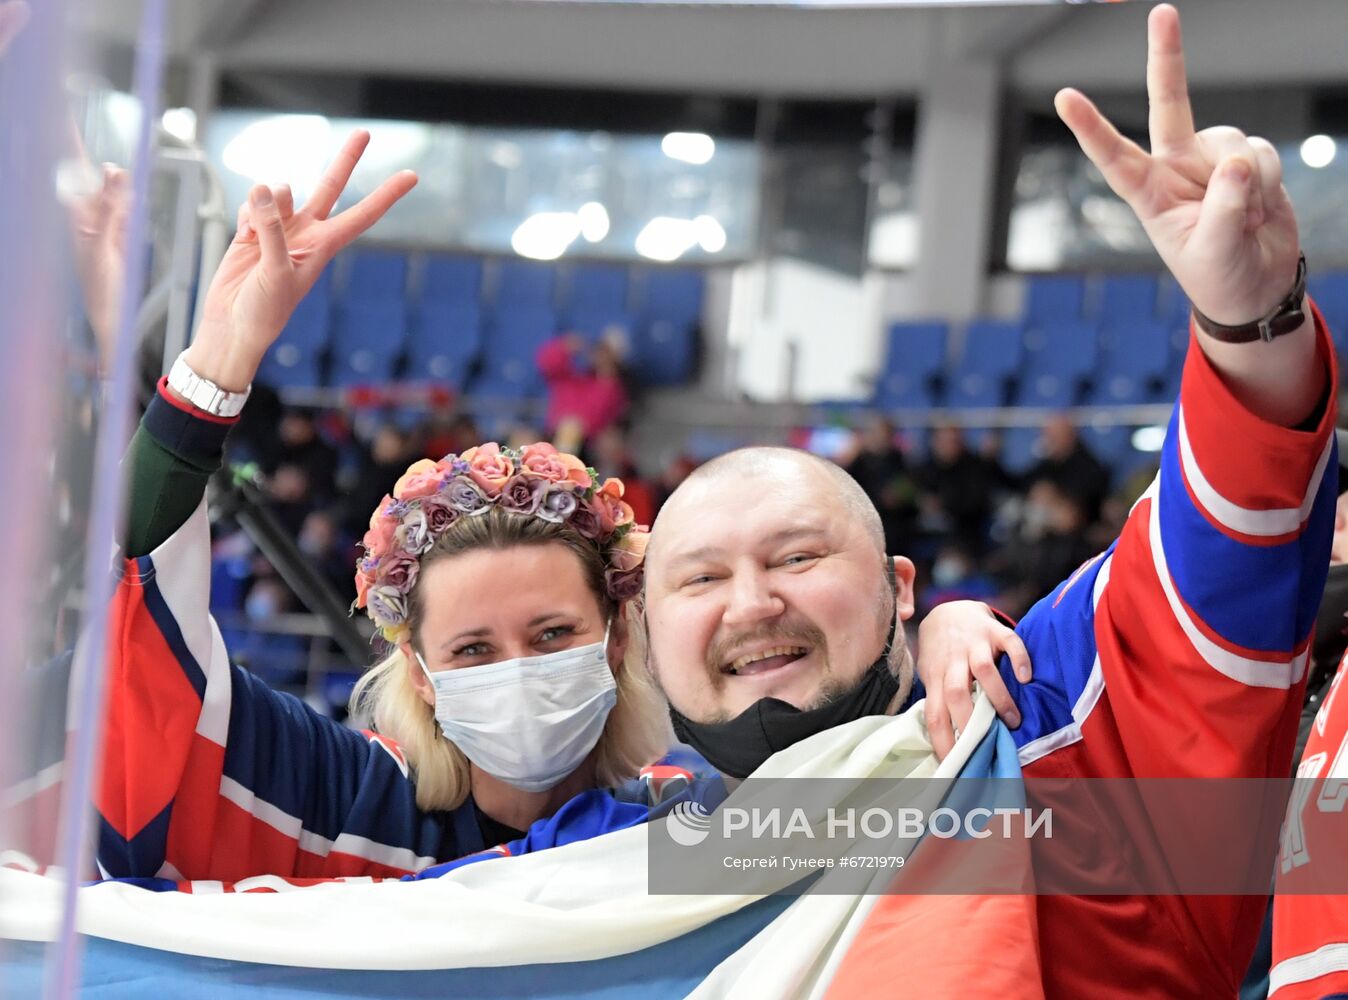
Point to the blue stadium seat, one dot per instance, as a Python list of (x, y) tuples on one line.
[(975, 390), (1053, 390), (452, 279), (1057, 360), (367, 341), (596, 288), (525, 284), (375, 274), (991, 347), (914, 358), (1128, 298), (664, 352), (444, 343), (1140, 349), (1172, 305), (291, 366), (1068, 349), (513, 338), (310, 324), (1054, 298), (1119, 389), (671, 294)]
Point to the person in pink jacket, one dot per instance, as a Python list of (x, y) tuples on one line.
[(586, 393)]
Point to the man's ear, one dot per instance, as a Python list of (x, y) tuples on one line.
[(421, 684), (904, 575)]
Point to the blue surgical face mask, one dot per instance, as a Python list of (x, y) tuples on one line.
[(529, 721)]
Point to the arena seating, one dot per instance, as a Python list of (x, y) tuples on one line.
[(473, 325)]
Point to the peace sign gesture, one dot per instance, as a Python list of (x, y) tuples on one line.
[(1212, 201), (277, 255)]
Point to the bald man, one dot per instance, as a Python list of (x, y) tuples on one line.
[(772, 612)]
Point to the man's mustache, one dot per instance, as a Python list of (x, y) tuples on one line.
[(779, 633)]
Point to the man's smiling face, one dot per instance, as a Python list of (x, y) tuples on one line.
[(763, 582)]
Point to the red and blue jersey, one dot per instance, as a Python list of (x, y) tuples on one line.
[(1181, 651)]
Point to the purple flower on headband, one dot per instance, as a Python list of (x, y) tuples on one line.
[(412, 535), (387, 606), (558, 505), (586, 521), (458, 467), (400, 572), (440, 514), (623, 586), (523, 494), (466, 497), (396, 509)]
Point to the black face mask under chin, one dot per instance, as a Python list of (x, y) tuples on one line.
[(737, 747)]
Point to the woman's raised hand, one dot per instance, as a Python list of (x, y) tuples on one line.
[(277, 255)]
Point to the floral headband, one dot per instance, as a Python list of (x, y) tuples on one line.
[(538, 481)]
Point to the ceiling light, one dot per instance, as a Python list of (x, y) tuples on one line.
[(1318, 151), (545, 235), (689, 147)]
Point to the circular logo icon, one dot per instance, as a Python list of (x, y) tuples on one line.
[(688, 824)]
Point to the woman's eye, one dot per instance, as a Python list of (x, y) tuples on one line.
[(472, 649), (556, 632)]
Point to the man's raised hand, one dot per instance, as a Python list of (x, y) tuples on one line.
[(277, 255), (1212, 202)]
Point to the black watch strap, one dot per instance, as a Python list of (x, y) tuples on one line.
[(1287, 315)]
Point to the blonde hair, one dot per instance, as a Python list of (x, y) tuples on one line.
[(636, 733)]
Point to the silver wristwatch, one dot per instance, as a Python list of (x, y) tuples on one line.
[(204, 394)]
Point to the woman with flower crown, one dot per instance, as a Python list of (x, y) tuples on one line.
[(503, 712)]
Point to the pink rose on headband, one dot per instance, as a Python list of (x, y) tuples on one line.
[(399, 571), (586, 520), (547, 462), (363, 583), (440, 513), (381, 510), (523, 494), (421, 479), (380, 535), (630, 550), (609, 505), (488, 467), (623, 585)]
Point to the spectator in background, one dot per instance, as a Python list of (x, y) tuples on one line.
[(389, 453), (1069, 465), (327, 551), (1051, 544), (879, 467), (612, 459), (448, 433), (300, 445), (587, 391), (292, 496), (958, 487)]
